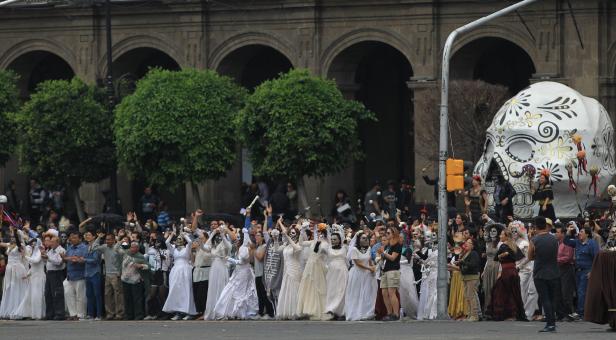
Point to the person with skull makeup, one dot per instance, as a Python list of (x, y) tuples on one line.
[(337, 272), (291, 252), (525, 269), (544, 196), (313, 286), (506, 302), (266, 308), (492, 266), (476, 201), (610, 244), (239, 299), (428, 257), (219, 245), (180, 299), (361, 288), (272, 267), (201, 272)]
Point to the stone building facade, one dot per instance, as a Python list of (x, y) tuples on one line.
[(385, 53)]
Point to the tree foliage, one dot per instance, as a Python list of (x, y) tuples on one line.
[(300, 125), (9, 103), (65, 135), (178, 126), (472, 106)]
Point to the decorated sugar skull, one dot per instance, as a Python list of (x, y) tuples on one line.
[(549, 127)]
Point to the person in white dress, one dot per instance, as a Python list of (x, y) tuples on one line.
[(409, 300), (239, 299), (33, 304), (337, 273), (291, 252), (530, 297), (362, 287), (429, 269), (180, 299), (313, 286), (220, 247), (15, 282)]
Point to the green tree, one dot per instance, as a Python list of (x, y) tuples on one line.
[(65, 136), (300, 125), (177, 127), (9, 103)]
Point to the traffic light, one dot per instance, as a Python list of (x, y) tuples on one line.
[(455, 174)]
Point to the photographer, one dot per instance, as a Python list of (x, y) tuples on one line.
[(585, 251)]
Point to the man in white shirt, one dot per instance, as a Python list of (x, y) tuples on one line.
[(54, 289)]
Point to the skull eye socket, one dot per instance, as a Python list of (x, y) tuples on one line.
[(489, 148), (520, 151)]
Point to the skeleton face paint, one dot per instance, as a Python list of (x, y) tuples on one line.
[(547, 126), (493, 233), (335, 239), (364, 241), (293, 235)]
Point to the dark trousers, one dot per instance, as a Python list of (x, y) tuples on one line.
[(265, 305), (133, 301), (94, 295), (567, 289), (548, 291), (581, 281), (200, 295), (54, 295)]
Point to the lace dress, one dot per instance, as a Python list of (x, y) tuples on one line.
[(337, 277), (288, 296), (180, 298), (361, 288), (15, 286)]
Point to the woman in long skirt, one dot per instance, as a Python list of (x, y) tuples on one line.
[(530, 298), (180, 298), (220, 247), (33, 304), (429, 269), (506, 301), (337, 274), (409, 300), (287, 298), (492, 267), (361, 286), (313, 286), (239, 299), (15, 284)]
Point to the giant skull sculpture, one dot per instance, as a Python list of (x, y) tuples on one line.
[(550, 126)]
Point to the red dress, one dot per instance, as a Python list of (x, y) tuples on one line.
[(506, 302)]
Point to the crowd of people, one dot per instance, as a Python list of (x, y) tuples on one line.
[(380, 264)]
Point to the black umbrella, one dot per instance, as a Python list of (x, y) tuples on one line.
[(107, 221)]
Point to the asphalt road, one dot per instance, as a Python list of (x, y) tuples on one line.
[(296, 330)]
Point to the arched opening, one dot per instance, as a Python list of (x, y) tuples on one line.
[(495, 61), (127, 69), (33, 68), (253, 64), (249, 66), (38, 66), (376, 74)]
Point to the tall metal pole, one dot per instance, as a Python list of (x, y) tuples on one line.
[(113, 176), (442, 175)]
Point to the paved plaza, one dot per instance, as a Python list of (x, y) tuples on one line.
[(185, 330)]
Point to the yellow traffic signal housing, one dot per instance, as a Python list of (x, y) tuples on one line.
[(455, 174)]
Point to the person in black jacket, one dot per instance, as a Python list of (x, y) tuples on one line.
[(503, 199)]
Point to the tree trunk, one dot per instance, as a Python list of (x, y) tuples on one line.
[(304, 208), (77, 200), (196, 194)]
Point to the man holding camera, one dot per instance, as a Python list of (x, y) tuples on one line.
[(585, 251)]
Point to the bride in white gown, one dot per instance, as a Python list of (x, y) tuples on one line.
[(33, 304), (239, 299), (219, 246), (180, 298), (287, 298), (361, 290), (313, 287), (15, 283), (429, 268), (337, 273)]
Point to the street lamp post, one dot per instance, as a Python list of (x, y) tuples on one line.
[(113, 176), (443, 154)]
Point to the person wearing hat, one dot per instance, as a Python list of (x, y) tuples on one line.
[(476, 201), (544, 195)]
